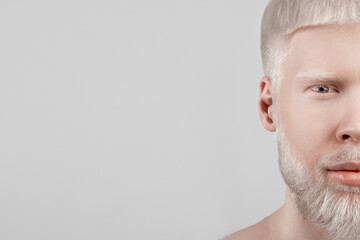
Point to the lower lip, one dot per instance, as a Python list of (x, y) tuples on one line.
[(348, 178)]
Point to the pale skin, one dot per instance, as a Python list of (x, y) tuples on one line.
[(319, 111)]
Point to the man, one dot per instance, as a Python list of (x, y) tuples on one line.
[(310, 95)]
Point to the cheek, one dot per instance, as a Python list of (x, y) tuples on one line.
[(308, 127)]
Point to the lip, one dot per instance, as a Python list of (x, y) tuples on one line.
[(347, 166), (347, 173)]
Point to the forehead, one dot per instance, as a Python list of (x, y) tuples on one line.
[(332, 48)]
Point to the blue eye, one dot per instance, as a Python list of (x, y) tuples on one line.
[(321, 89)]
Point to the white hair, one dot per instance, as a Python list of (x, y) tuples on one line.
[(283, 17)]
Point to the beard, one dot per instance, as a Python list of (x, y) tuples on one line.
[(321, 201)]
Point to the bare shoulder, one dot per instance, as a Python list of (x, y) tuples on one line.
[(253, 232), (259, 231)]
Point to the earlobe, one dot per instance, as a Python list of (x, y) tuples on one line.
[(266, 106)]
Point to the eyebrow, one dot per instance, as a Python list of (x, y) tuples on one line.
[(317, 75)]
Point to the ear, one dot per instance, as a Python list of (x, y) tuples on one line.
[(266, 106)]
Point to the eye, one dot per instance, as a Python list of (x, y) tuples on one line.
[(322, 89)]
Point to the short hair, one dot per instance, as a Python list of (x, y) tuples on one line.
[(283, 17)]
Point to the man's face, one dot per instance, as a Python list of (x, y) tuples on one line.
[(319, 126), (319, 99)]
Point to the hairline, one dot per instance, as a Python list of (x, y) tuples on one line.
[(282, 48), (283, 18)]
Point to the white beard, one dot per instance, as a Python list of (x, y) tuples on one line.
[(328, 205)]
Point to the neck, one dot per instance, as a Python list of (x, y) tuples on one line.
[(290, 224)]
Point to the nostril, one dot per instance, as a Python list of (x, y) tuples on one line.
[(345, 136)]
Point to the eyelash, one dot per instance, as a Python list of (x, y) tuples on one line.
[(330, 88)]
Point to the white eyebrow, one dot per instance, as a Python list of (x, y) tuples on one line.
[(317, 75)]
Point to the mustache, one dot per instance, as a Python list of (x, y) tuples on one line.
[(348, 154)]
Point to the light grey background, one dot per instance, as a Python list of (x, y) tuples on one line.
[(132, 120)]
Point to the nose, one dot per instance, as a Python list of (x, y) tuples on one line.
[(349, 135), (349, 129)]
